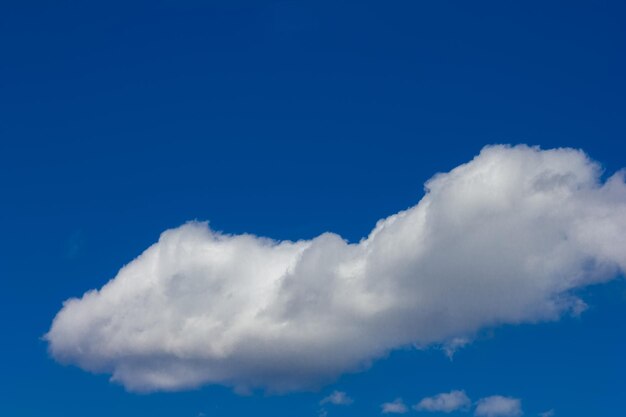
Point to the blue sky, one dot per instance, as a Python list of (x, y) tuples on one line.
[(287, 120)]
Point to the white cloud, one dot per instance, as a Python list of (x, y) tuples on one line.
[(549, 413), (337, 398), (503, 239), (397, 406), (498, 406), (445, 402), (453, 345)]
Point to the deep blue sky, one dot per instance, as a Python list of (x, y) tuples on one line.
[(288, 119)]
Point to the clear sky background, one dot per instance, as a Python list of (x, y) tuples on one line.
[(288, 119)]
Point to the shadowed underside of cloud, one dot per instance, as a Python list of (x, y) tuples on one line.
[(503, 239)]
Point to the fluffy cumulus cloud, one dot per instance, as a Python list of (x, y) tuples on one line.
[(505, 238), (337, 398), (498, 406), (397, 406), (446, 402)]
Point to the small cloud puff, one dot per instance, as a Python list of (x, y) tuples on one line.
[(397, 406), (498, 406), (445, 402), (337, 398)]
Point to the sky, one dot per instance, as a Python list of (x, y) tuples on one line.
[(269, 139)]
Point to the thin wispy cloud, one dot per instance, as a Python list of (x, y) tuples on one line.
[(507, 238)]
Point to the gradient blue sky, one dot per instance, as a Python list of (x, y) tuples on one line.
[(288, 119)]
